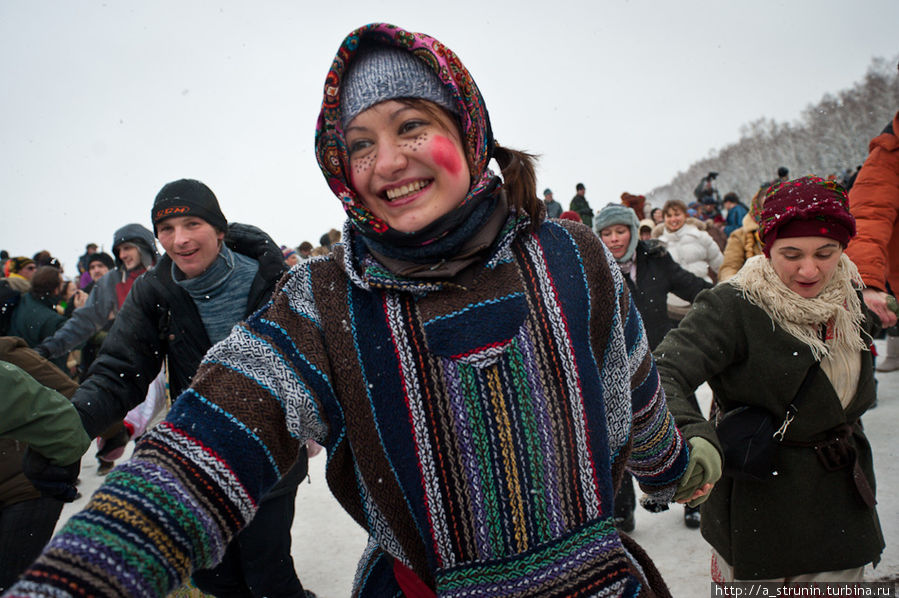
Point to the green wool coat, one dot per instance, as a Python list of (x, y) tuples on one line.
[(806, 519)]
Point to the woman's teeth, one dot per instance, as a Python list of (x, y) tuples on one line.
[(398, 192)]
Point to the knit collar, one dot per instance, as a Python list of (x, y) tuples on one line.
[(449, 233), (474, 122), (837, 306), (367, 273), (211, 279)]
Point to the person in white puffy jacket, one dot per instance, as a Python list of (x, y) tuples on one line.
[(695, 251), (691, 247)]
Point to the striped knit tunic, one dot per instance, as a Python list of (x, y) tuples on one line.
[(475, 432)]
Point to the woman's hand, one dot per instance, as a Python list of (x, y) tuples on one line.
[(877, 302), (703, 470), (705, 490)]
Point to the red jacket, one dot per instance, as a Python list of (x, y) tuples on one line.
[(874, 201)]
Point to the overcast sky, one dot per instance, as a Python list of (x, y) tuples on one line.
[(103, 102)]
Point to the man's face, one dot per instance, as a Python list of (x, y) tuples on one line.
[(548, 197), (191, 242), (97, 269), (130, 255)]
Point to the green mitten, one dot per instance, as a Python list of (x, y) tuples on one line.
[(704, 468)]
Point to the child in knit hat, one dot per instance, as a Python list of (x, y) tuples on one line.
[(474, 371)]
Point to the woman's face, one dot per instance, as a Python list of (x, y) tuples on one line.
[(657, 216), (674, 219), (805, 264), (617, 237), (407, 166)]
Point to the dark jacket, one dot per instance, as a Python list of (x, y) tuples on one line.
[(159, 320), (35, 320), (806, 519), (657, 275), (580, 205)]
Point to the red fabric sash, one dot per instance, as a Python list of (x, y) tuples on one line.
[(409, 582)]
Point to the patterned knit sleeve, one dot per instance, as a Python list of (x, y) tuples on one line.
[(659, 455), (196, 479)]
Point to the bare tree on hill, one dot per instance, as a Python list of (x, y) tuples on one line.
[(830, 137)]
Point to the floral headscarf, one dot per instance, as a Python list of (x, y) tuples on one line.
[(474, 122)]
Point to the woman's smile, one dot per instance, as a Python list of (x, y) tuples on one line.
[(407, 163)]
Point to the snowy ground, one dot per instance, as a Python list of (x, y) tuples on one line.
[(327, 543)]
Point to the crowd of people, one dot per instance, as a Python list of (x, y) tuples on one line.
[(488, 372)]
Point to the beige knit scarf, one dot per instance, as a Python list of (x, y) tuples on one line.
[(837, 305)]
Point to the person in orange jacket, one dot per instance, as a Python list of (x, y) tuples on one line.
[(874, 202)]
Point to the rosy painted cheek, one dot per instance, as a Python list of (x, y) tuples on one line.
[(445, 154)]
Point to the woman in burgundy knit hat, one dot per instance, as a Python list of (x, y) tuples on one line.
[(790, 315)]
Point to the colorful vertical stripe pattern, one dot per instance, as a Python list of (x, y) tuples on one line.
[(474, 432)]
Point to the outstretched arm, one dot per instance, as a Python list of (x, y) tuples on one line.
[(196, 479)]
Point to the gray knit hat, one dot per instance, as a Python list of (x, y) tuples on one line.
[(379, 73), (619, 214)]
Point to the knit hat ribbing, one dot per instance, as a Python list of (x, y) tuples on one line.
[(806, 207), (380, 73), (187, 197)]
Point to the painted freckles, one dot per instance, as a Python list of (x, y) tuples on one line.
[(365, 163)]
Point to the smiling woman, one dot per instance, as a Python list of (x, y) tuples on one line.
[(478, 375), (408, 165)]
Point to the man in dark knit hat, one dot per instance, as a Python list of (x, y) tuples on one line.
[(98, 264), (213, 275)]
